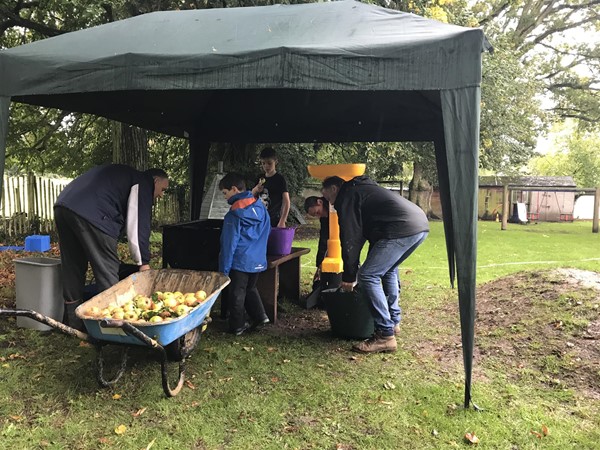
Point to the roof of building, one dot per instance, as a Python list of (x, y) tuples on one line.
[(529, 181)]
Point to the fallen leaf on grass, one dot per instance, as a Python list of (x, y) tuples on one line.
[(274, 379), (536, 434), (189, 384), (247, 349), (150, 444), (15, 356), (121, 429), (139, 412), (353, 358), (321, 365), (389, 385), (286, 361), (472, 438), (271, 349), (84, 344), (16, 418), (222, 380), (116, 396), (545, 430), (104, 440)]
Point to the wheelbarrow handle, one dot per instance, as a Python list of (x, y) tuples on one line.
[(131, 330), (46, 321)]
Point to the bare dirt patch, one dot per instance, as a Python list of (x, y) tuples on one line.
[(540, 326), (535, 325)]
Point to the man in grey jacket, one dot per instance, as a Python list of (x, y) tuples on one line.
[(91, 213)]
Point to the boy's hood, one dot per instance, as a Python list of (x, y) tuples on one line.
[(242, 206)]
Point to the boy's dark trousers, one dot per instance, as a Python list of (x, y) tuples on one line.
[(243, 294)]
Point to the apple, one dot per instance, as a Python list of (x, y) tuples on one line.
[(143, 302), (200, 295), (130, 315), (118, 315), (128, 306), (190, 300), (94, 311), (155, 319), (182, 310), (170, 302)]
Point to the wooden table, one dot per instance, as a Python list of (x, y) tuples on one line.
[(281, 277)]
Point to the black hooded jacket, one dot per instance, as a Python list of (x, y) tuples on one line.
[(369, 212)]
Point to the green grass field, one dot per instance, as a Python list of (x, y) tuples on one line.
[(298, 387)]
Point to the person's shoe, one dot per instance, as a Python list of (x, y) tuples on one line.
[(259, 324), (397, 330), (241, 330), (377, 344)]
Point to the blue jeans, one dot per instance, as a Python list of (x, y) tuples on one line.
[(378, 279)]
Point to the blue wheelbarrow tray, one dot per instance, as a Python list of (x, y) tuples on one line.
[(146, 283)]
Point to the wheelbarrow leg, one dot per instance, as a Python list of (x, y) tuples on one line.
[(172, 392), (100, 366), (133, 331)]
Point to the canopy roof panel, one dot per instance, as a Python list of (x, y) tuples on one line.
[(343, 45)]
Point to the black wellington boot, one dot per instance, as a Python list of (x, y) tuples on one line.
[(70, 318)]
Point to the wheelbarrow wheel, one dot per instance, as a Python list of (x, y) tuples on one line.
[(180, 348)]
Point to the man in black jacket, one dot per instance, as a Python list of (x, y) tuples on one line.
[(394, 227), (91, 213)]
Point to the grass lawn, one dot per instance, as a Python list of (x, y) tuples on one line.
[(293, 385)]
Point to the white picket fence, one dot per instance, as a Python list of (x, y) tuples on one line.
[(28, 205)]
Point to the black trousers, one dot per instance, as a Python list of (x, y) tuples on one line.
[(243, 295), (82, 243)]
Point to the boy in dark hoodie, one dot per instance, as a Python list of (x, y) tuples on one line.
[(243, 253)]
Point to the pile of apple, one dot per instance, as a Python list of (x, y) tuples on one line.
[(158, 307)]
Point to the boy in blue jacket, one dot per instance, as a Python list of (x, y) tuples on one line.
[(243, 254)]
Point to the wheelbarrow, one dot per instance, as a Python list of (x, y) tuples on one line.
[(171, 341)]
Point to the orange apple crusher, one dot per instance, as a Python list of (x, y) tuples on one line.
[(332, 265)]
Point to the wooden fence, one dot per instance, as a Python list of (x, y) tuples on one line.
[(27, 205)]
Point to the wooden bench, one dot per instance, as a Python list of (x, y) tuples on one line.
[(281, 277)]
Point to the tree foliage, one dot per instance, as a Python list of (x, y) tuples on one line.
[(577, 155), (557, 40)]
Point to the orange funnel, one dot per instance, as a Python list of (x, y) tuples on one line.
[(333, 260)]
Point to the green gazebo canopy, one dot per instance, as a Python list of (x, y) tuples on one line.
[(339, 71)]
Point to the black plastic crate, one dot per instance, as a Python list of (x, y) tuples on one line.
[(192, 245)]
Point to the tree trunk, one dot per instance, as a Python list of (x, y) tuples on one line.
[(420, 190), (130, 145)]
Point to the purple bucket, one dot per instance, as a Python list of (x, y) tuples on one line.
[(280, 241)]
